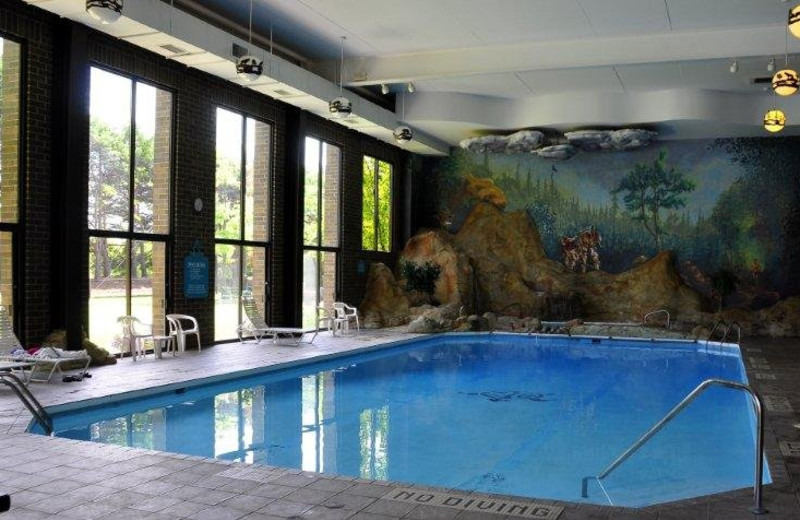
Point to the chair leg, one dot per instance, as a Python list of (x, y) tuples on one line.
[(198, 341)]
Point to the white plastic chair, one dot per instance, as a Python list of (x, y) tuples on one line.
[(132, 336), (177, 329), (344, 315)]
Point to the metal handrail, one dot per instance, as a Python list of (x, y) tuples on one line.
[(651, 313), (738, 332), (31, 403), (757, 508), (720, 323)]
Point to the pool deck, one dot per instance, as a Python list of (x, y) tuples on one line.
[(50, 477)]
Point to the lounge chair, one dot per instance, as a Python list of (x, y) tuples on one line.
[(46, 361), (345, 314), (257, 327), (176, 328)]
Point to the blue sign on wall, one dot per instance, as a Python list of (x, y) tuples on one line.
[(195, 273)]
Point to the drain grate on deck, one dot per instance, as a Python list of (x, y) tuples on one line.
[(483, 504)]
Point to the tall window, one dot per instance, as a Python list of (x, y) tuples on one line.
[(10, 77), (242, 213), (320, 226), (129, 203), (376, 217)]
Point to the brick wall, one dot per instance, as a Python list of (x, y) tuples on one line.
[(35, 30)]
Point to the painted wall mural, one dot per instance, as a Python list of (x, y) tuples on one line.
[(728, 208)]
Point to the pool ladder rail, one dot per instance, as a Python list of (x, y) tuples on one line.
[(655, 313), (726, 328), (31, 403), (757, 508)]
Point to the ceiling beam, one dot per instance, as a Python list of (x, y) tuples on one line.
[(589, 52)]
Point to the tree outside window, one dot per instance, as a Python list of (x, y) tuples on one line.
[(376, 234)]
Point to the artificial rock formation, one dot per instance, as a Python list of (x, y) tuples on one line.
[(385, 303), (513, 277), (454, 285)]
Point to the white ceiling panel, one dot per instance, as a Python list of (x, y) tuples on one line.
[(651, 76), (696, 15), (601, 79), (640, 16), (514, 21), (498, 85), (381, 27)]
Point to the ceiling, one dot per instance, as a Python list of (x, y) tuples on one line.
[(480, 66), (484, 66)]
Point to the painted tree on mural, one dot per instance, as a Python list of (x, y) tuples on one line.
[(650, 189), (757, 220)]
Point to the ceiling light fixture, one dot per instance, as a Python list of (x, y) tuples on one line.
[(774, 120), (384, 88), (411, 88), (771, 65), (104, 11), (794, 21), (734, 66), (403, 134), (785, 82), (249, 67), (341, 106)]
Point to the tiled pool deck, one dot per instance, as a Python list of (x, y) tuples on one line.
[(60, 478)]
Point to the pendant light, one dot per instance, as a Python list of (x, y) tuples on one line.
[(774, 120), (249, 67), (341, 106), (794, 21), (785, 82), (104, 11), (403, 134)]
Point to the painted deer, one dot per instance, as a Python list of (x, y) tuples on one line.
[(582, 249)]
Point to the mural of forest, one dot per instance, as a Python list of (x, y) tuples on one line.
[(729, 208)]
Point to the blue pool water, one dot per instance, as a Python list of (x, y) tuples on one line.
[(497, 413)]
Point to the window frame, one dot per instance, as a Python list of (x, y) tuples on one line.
[(241, 242), (319, 248), (17, 229), (130, 235), (376, 204)]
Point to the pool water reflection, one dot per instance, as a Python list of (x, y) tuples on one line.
[(499, 414)]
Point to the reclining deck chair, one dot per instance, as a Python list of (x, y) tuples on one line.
[(46, 361), (256, 326)]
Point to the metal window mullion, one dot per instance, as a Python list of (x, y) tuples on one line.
[(242, 210), (320, 197), (375, 203), (131, 191)]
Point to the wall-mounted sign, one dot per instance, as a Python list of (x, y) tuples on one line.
[(195, 273)]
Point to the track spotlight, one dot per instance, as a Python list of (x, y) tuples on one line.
[(384, 88), (410, 88), (771, 65), (734, 66)]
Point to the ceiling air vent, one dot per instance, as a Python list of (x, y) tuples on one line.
[(173, 49), (238, 51), (766, 80)]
